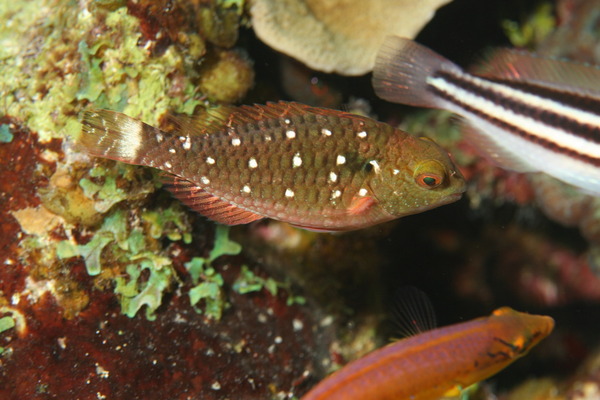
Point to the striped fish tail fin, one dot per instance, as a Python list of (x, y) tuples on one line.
[(116, 136), (402, 70)]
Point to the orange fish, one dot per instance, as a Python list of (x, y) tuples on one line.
[(437, 363)]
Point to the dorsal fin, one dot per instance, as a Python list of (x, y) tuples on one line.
[(412, 312), (210, 121), (212, 207), (521, 66), (219, 118)]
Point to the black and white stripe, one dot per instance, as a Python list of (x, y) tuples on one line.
[(549, 118), (526, 123)]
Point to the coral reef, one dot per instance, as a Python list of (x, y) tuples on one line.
[(109, 288), (87, 246)]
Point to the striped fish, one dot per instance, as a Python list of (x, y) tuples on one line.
[(529, 114)]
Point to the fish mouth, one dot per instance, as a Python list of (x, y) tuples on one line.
[(451, 198)]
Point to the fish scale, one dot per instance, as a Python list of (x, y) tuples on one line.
[(315, 168)]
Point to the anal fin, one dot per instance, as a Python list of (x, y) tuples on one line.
[(207, 204)]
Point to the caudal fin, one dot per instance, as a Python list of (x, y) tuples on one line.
[(401, 70), (116, 136)]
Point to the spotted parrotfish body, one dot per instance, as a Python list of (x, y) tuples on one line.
[(315, 168)]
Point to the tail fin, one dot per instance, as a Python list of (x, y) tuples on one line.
[(116, 136), (401, 71)]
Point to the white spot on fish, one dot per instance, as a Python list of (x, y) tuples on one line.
[(210, 160), (362, 134), (168, 164), (268, 138), (187, 144), (396, 171), (172, 151), (236, 142), (363, 192), (289, 193), (335, 194), (375, 165), (252, 163), (297, 161), (246, 189), (205, 180), (325, 132), (159, 137), (287, 121), (290, 134), (340, 160), (333, 176), (182, 138)]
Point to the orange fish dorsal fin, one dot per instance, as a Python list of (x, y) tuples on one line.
[(412, 312), (212, 207)]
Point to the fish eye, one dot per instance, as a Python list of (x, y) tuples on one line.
[(429, 181), (430, 174)]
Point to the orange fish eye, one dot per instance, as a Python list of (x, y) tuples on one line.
[(430, 174), (428, 180)]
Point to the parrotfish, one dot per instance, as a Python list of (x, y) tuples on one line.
[(315, 168), (528, 113), (437, 363)]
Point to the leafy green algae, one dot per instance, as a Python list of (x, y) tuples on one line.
[(6, 135), (129, 246), (208, 283), (6, 323), (59, 55), (248, 282)]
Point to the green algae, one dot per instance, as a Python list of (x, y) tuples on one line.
[(56, 63), (120, 242), (248, 282), (6, 323), (136, 293), (534, 29), (208, 287), (60, 57), (6, 135), (169, 223), (208, 283)]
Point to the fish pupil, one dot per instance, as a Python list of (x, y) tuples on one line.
[(429, 181)]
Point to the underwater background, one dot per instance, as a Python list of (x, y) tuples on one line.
[(112, 289)]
